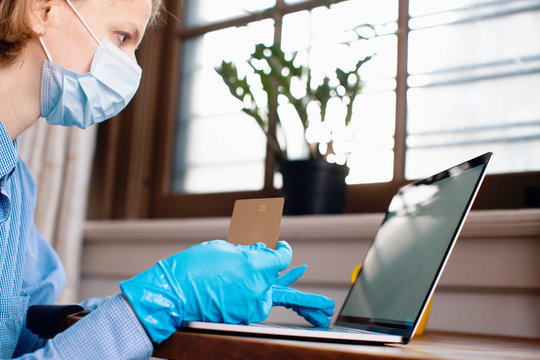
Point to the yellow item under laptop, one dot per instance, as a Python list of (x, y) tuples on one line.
[(425, 317)]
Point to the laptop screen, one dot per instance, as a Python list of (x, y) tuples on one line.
[(409, 251)]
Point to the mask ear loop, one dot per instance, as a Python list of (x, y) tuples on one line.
[(83, 22), (45, 49)]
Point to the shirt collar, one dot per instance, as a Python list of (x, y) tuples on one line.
[(8, 152)]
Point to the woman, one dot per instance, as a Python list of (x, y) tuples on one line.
[(44, 47)]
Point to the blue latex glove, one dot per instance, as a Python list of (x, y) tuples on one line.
[(316, 309), (219, 282)]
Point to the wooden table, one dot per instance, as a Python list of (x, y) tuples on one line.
[(432, 345), (188, 345)]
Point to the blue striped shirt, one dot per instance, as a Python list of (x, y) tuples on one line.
[(31, 273)]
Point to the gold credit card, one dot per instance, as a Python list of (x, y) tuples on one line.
[(256, 220)]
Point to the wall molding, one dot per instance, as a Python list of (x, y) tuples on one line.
[(480, 224), (330, 245)]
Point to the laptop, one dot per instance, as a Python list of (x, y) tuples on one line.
[(401, 268)]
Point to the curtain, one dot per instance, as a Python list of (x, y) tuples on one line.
[(61, 159)]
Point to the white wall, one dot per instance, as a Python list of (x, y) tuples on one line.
[(490, 285)]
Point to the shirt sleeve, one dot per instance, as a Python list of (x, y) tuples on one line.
[(111, 331), (94, 303)]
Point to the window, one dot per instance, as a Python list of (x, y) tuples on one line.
[(449, 80), (214, 139), (474, 66), (229, 145)]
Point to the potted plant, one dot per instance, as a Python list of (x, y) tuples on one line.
[(316, 184)]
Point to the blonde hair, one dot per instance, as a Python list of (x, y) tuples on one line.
[(15, 31), (157, 7)]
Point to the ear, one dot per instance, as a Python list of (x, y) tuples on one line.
[(38, 12)]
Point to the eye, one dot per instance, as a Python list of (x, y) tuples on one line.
[(123, 37)]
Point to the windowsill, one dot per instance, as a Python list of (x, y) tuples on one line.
[(482, 223), (124, 248)]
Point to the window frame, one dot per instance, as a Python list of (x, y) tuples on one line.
[(221, 204), (134, 169)]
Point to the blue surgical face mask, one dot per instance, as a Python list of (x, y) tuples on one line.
[(69, 98)]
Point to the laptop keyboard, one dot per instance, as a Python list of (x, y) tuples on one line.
[(339, 329)]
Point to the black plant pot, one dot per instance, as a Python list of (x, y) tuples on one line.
[(313, 187)]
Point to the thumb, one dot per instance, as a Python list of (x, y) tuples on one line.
[(291, 276), (284, 255)]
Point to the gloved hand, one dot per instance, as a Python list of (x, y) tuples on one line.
[(316, 309), (219, 282)]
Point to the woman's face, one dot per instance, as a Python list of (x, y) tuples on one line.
[(69, 43)]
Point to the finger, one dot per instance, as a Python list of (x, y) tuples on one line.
[(325, 311), (256, 246), (259, 245), (268, 262), (291, 276), (314, 316), (216, 242), (288, 297), (284, 255)]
